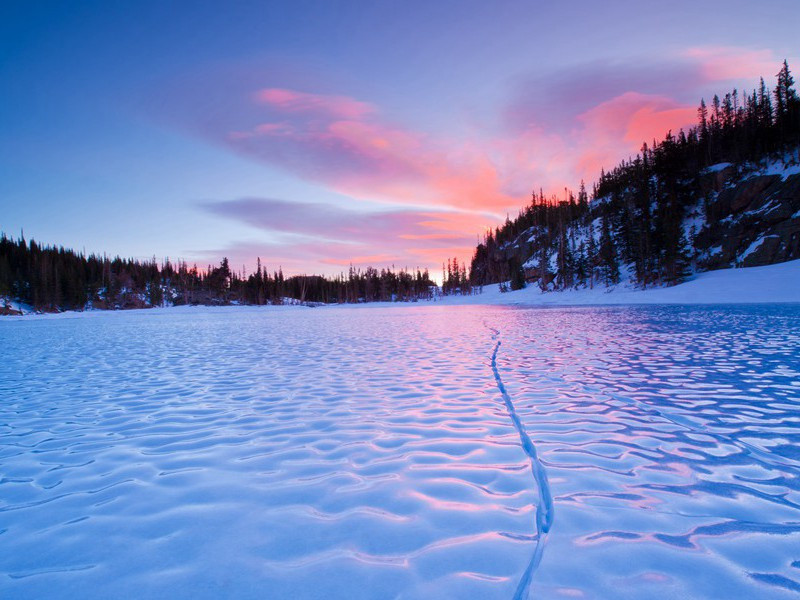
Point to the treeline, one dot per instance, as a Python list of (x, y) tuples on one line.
[(368, 285), (454, 279), (638, 210), (53, 278)]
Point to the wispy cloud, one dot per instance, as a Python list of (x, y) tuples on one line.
[(595, 114), (337, 107), (333, 235), (347, 145), (726, 63)]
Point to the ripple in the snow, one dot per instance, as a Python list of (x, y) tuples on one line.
[(368, 453)]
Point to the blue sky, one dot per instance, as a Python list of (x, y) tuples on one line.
[(287, 129)]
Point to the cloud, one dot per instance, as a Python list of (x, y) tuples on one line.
[(620, 126), (554, 129), (594, 115), (728, 63), (554, 100), (345, 144), (548, 134), (338, 107), (330, 235), (598, 138)]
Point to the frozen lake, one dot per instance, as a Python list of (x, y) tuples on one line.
[(626, 452)]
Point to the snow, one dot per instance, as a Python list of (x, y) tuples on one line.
[(773, 283), (694, 222), (786, 165), (717, 167), (779, 167), (14, 305), (531, 263), (412, 451), (769, 207), (753, 247)]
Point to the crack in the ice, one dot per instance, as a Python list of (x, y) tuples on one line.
[(544, 508)]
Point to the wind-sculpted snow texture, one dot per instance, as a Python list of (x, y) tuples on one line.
[(380, 453)]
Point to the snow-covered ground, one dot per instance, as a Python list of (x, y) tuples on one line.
[(773, 283), (405, 452)]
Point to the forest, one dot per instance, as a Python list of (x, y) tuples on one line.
[(51, 278), (638, 212)]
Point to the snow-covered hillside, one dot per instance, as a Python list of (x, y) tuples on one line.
[(652, 225), (772, 283)]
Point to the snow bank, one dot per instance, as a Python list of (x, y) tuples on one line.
[(717, 167), (773, 283)]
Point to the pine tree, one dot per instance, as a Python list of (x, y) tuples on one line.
[(608, 254), (787, 106), (517, 274), (591, 254)]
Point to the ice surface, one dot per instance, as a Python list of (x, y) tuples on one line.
[(373, 453)]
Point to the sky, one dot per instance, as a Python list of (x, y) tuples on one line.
[(316, 135)]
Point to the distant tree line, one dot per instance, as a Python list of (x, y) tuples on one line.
[(637, 210), (455, 279), (51, 278), (368, 285)]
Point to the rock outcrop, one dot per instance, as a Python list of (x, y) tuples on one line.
[(751, 222)]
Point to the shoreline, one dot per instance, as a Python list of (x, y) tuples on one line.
[(771, 284)]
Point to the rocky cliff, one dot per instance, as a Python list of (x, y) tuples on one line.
[(752, 219)]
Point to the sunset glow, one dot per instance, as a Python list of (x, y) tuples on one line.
[(317, 150)]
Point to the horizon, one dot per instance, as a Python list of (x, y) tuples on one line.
[(320, 135)]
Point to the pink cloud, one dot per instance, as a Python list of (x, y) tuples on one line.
[(598, 138), (430, 236), (597, 114), (618, 128), (719, 63), (435, 256), (329, 235), (557, 131), (346, 145), (633, 118), (340, 107), (368, 260), (650, 122)]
